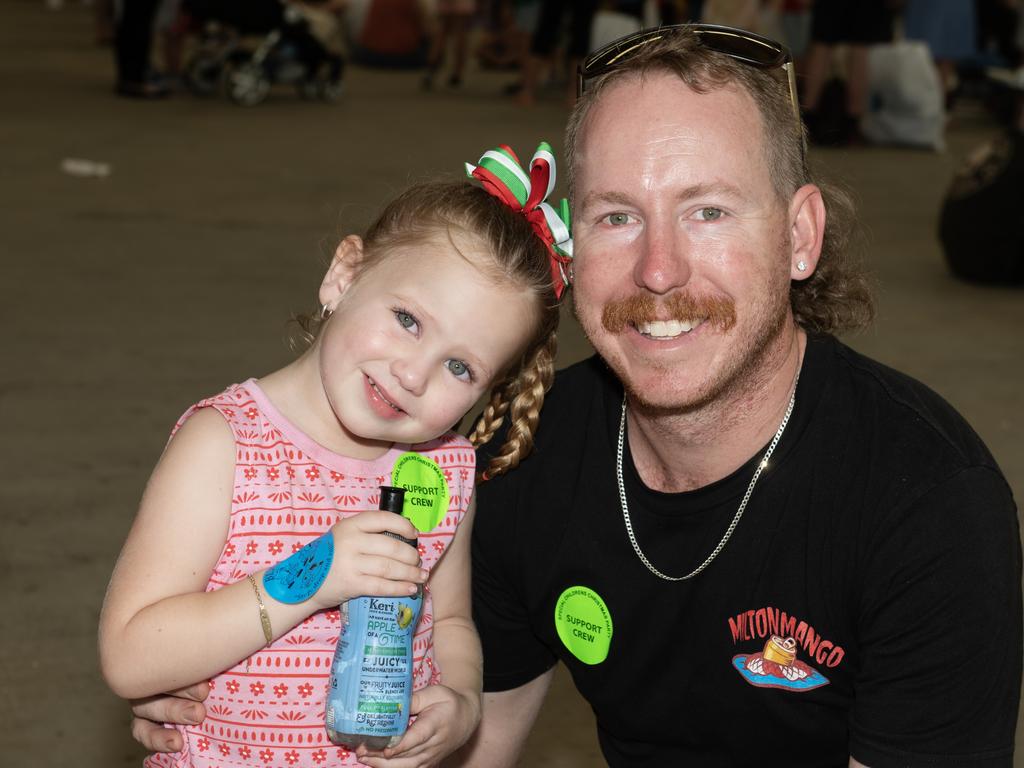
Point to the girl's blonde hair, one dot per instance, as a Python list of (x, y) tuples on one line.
[(517, 256)]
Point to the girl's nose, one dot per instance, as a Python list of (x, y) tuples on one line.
[(411, 374)]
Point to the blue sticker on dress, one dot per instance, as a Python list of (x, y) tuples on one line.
[(299, 577)]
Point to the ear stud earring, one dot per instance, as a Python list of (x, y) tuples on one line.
[(801, 266)]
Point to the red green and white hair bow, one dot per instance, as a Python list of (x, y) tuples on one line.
[(502, 175)]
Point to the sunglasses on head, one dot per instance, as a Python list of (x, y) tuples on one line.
[(738, 44)]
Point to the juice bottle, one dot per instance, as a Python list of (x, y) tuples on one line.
[(371, 674)]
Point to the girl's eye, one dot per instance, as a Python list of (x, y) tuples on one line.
[(459, 370), (405, 319), (617, 219), (710, 214)]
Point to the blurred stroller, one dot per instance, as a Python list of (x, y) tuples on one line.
[(245, 47)]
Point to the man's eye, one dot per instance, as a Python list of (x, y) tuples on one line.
[(617, 219), (405, 319), (459, 370), (710, 214)]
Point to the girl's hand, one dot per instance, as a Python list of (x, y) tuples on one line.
[(445, 719), (366, 562)]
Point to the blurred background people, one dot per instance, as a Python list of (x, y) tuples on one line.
[(548, 34), (133, 42), (795, 29), (745, 14), (171, 27), (998, 31), (451, 28), (948, 27), (504, 39), (103, 13), (394, 33), (832, 114)]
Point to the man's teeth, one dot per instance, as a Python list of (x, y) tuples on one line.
[(667, 329)]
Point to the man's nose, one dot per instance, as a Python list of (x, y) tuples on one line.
[(411, 373), (664, 261)]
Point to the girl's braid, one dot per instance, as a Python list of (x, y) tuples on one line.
[(494, 414), (522, 397)]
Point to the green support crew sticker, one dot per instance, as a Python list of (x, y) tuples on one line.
[(584, 624), (426, 490)]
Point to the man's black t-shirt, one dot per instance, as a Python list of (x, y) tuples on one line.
[(868, 603)]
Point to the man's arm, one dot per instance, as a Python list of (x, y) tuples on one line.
[(939, 631), (506, 721), (182, 707)]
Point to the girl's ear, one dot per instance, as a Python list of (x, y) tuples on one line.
[(348, 259)]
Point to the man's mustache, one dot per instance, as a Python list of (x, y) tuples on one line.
[(717, 311)]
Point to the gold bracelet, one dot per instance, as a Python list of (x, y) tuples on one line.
[(268, 633)]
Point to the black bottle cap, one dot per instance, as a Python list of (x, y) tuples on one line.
[(391, 499)]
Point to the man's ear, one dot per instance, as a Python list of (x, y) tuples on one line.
[(348, 258), (807, 231)]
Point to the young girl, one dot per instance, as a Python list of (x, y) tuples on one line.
[(451, 293)]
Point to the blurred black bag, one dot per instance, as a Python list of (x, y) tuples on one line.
[(981, 225), (829, 125)]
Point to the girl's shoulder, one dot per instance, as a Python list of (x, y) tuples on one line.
[(237, 404), (450, 449)]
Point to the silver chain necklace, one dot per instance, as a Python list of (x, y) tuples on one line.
[(739, 512)]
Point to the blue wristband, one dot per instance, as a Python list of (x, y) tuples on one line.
[(298, 577)]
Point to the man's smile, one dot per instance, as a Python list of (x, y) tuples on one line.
[(667, 329)]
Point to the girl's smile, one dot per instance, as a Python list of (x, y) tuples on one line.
[(381, 402)]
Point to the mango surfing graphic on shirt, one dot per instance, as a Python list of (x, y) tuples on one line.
[(777, 664)]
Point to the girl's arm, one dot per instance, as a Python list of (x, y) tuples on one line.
[(159, 629), (456, 643), (447, 714)]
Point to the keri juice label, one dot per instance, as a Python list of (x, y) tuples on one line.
[(371, 676)]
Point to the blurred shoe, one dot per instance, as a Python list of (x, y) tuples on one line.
[(147, 89)]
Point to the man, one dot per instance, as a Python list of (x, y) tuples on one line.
[(747, 543), (875, 569)]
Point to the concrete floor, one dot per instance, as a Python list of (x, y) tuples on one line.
[(115, 315)]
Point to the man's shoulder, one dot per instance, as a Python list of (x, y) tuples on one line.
[(906, 411), (575, 406), (590, 372), (577, 402)]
